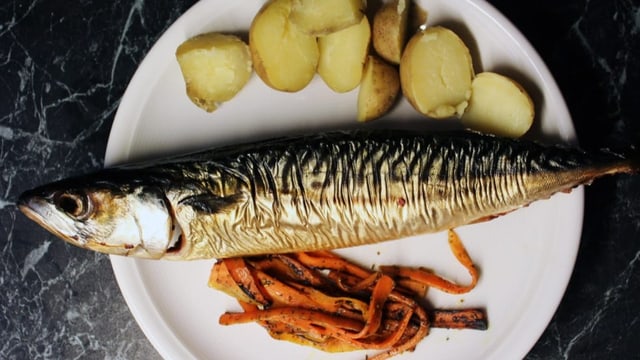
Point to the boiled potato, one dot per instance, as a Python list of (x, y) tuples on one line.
[(321, 17), (215, 67), (284, 57), (436, 73), (498, 105), (342, 56), (378, 90), (390, 30)]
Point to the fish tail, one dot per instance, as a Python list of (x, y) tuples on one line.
[(626, 161)]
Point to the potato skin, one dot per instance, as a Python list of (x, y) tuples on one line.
[(390, 30), (215, 68), (284, 57), (379, 89)]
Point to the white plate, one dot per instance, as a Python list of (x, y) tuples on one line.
[(525, 258)]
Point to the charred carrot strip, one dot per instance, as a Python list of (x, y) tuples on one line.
[(345, 308), (303, 273), (307, 296), (459, 319), (427, 278), (412, 287), (279, 292), (396, 335), (294, 294), (432, 280), (298, 317), (346, 282), (309, 336), (411, 343), (272, 266), (381, 291), (245, 279), (248, 307), (353, 284)]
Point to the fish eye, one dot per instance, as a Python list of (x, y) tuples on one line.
[(75, 205)]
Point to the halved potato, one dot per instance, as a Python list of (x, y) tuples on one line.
[(379, 89), (498, 105), (390, 30), (342, 56), (215, 67), (321, 17), (436, 73), (284, 57)]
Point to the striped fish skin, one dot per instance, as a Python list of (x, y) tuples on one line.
[(313, 192)]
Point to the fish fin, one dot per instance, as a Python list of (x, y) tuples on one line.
[(211, 204), (629, 159)]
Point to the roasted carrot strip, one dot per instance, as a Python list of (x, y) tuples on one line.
[(321, 300), (459, 319), (342, 305), (295, 270), (394, 336), (367, 283), (427, 278), (412, 287), (245, 279), (381, 290), (296, 316), (432, 280), (411, 343), (248, 307), (294, 294), (463, 257)]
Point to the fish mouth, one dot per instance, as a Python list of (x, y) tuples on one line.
[(178, 245), (36, 209)]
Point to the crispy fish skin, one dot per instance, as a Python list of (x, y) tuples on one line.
[(313, 192)]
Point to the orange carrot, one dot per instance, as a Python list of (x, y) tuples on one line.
[(246, 280), (432, 280), (322, 300), (295, 315), (459, 319)]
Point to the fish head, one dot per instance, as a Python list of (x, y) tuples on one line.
[(104, 216)]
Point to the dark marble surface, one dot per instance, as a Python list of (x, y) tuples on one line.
[(63, 69)]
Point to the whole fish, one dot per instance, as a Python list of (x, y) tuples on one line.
[(305, 193)]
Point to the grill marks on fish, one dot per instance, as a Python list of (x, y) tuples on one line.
[(347, 190)]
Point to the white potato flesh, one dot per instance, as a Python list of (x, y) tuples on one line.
[(285, 58), (498, 105), (342, 56), (436, 73), (321, 17), (215, 68)]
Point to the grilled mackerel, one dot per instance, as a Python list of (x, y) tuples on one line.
[(307, 193)]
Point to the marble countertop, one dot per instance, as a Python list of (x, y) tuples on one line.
[(65, 65)]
